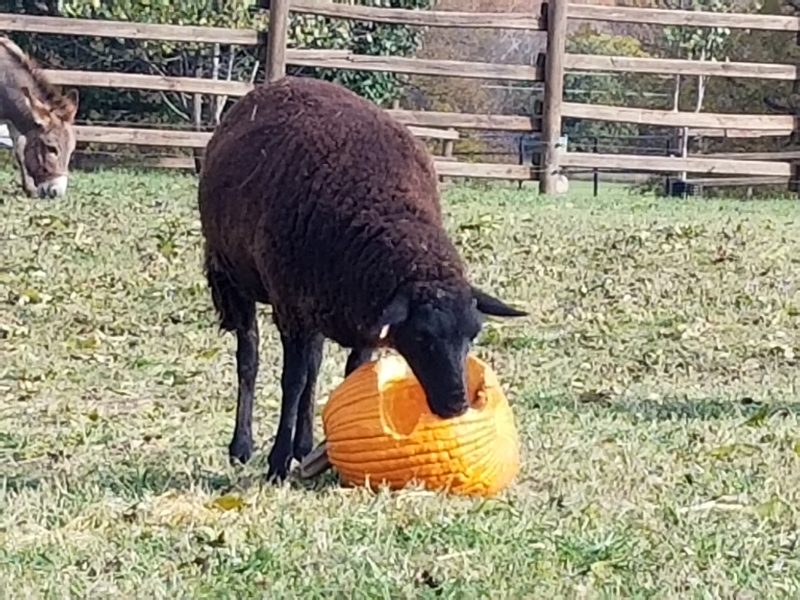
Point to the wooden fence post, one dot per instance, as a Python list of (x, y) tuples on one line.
[(277, 38), (556, 19), (794, 137)]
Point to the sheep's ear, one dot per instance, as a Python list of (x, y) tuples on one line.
[(395, 312), (489, 305)]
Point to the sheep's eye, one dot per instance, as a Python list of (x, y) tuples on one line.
[(51, 149)]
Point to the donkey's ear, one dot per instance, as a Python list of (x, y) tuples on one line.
[(39, 112), (70, 109), (489, 305)]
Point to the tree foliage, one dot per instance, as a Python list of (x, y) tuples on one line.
[(625, 89), (699, 43), (204, 60)]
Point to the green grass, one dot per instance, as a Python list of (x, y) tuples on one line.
[(654, 386)]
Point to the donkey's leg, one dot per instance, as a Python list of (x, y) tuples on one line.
[(238, 314), (19, 153)]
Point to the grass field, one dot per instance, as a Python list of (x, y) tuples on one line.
[(654, 385)]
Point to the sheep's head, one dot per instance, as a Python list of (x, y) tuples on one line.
[(434, 336)]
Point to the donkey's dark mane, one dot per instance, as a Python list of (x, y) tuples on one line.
[(44, 90)]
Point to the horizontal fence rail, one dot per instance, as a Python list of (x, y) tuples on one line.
[(128, 30), (141, 137), (193, 139), (738, 133), (737, 181), (421, 66), (467, 120), (334, 59), (666, 164), (159, 83), (425, 18), (671, 66), (780, 155), (645, 116), (444, 167), (689, 18)]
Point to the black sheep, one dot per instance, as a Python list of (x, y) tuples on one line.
[(315, 201)]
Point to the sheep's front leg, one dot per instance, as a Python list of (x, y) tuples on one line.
[(357, 357), (304, 434), (301, 358)]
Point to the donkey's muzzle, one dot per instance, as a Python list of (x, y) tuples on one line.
[(54, 188)]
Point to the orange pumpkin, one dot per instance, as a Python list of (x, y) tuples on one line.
[(380, 430)]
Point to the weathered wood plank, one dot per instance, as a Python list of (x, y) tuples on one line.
[(630, 162), (466, 120), (424, 18), (736, 181), (444, 167), (739, 133), (671, 66), (192, 139), (779, 155), (142, 137), (665, 17), (127, 30), (422, 66), (669, 118), (450, 168)]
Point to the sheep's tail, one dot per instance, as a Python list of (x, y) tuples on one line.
[(235, 311)]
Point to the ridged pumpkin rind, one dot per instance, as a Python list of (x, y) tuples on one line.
[(380, 430)]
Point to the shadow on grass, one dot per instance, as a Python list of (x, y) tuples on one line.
[(134, 479), (747, 409)]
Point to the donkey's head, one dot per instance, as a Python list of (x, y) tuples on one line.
[(46, 148)]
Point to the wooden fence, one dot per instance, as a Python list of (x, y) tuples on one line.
[(550, 68)]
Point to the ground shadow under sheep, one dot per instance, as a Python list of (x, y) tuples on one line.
[(135, 479)]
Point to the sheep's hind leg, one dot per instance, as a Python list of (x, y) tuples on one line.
[(301, 359), (238, 314), (241, 446)]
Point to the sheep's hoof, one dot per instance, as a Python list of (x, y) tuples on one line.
[(240, 452), (315, 463), (302, 448), (278, 468)]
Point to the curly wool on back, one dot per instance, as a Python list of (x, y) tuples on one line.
[(331, 229)]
